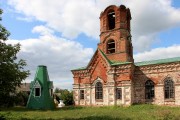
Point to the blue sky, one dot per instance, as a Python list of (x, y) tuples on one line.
[(63, 35)]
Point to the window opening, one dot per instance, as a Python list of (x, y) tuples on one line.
[(111, 20), (98, 91), (81, 94), (37, 92), (51, 92), (149, 89), (111, 46), (118, 93), (169, 88)]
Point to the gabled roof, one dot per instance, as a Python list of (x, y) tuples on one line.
[(81, 68), (103, 55), (35, 83), (24, 87), (143, 63), (84, 68), (160, 61), (112, 63)]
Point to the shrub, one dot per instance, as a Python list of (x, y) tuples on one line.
[(7, 101), (21, 98), (66, 96)]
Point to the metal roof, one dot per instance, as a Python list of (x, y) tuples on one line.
[(143, 63), (160, 61)]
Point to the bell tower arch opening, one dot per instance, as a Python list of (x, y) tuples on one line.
[(110, 46), (111, 19)]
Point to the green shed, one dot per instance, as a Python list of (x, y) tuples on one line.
[(41, 95)]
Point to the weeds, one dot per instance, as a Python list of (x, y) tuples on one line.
[(135, 112)]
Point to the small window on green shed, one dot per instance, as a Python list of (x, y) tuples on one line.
[(51, 92), (37, 92)]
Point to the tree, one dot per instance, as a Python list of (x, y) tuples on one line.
[(12, 71), (65, 95)]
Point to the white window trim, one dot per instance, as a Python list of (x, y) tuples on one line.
[(51, 93), (37, 85)]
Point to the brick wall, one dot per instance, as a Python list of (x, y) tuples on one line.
[(157, 73)]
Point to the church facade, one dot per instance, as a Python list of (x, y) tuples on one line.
[(113, 78)]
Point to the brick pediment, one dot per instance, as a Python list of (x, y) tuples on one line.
[(97, 67)]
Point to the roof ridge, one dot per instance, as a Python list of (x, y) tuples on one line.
[(110, 62), (158, 61)]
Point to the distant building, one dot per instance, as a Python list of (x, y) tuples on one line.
[(112, 77), (41, 95), (24, 87)]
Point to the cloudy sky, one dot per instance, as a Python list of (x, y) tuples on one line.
[(63, 34)]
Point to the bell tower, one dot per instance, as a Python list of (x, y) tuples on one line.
[(115, 34)]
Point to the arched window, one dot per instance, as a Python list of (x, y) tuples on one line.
[(99, 90), (168, 88), (111, 46), (149, 89), (111, 20)]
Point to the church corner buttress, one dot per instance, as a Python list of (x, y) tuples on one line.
[(112, 78)]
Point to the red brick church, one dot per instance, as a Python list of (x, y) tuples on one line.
[(113, 78)]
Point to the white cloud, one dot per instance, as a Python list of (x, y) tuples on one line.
[(158, 53), (58, 54), (149, 19), (42, 30), (26, 19), (73, 17)]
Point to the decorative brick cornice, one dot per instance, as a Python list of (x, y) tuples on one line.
[(123, 69), (161, 68)]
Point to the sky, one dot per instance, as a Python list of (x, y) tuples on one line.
[(63, 34)]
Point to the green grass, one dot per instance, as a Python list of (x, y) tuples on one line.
[(135, 112)]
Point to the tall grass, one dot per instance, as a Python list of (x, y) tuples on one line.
[(135, 112)]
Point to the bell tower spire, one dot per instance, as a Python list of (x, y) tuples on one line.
[(115, 34)]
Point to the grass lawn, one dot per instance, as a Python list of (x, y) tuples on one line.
[(135, 112)]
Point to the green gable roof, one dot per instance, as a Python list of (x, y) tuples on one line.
[(119, 63), (105, 57), (160, 61), (81, 68), (112, 63)]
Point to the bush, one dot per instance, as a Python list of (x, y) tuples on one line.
[(7, 100), (21, 98), (66, 96)]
